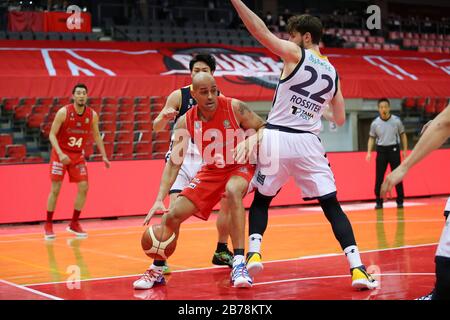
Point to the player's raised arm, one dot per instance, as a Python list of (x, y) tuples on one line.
[(172, 167), (286, 50), (98, 139), (169, 112), (56, 125)]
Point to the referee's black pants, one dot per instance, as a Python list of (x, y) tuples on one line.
[(387, 155)]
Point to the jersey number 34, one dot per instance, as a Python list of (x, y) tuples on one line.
[(74, 142)]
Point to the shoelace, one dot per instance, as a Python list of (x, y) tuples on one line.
[(240, 269), (151, 275)]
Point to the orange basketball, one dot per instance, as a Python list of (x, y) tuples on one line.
[(158, 243)]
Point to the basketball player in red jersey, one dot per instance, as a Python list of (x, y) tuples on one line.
[(220, 175), (73, 126)]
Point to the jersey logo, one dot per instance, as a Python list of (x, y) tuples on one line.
[(86, 121), (78, 124), (260, 178), (226, 124)]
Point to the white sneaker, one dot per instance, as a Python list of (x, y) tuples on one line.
[(240, 277), (149, 279)]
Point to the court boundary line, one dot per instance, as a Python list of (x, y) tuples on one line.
[(326, 255), (37, 292)]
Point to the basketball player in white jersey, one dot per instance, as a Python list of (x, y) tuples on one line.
[(436, 133), (308, 84)]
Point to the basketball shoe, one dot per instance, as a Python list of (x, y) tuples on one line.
[(361, 280), (240, 277), (223, 258), (152, 277), (75, 228), (254, 264), (427, 296), (49, 234)]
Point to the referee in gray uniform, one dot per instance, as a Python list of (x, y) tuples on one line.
[(386, 131)]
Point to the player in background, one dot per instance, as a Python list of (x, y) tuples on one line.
[(308, 84), (73, 125), (434, 135)]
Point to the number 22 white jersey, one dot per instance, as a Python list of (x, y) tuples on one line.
[(300, 99)]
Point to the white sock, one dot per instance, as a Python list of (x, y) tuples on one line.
[(238, 259), (157, 268), (353, 257), (254, 242)]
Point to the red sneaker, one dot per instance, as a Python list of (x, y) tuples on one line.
[(49, 234), (74, 227)]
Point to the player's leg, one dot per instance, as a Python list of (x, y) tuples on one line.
[(316, 180), (74, 226), (381, 166), (182, 209), (51, 205), (223, 256), (235, 190), (267, 188), (394, 162)]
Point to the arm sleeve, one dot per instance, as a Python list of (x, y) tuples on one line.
[(372, 132)]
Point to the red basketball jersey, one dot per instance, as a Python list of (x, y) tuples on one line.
[(75, 130), (215, 138)]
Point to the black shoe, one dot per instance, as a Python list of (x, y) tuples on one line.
[(223, 258), (399, 205), (379, 206)]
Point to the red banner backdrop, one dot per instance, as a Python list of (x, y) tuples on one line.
[(38, 21), (130, 187), (48, 68)]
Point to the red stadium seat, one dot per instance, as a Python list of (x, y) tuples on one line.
[(126, 100), (126, 108), (63, 101), (111, 108), (160, 146), (16, 151), (8, 160), (109, 148), (96, 157), (142, 116), (158, 155), (45, 128), (441, 104), (94, 101), (125, 116), (421, 102), (124, 136), (407, 43), (141, 108), (157, 107), (109, 100), (5, 139), (125, 125), (143, 147), (41, 109), (143, 126), (380, 40), (162, 136), (122, 156), (430, 107), (96, 107), (45, 101), (371, 40), (108, 136), (142, 156), (141, 100), (377, 46), (22, 111), (107, 126), (143, 136), (158, 100), (9, 103), (34, 120), (27, 101), (88, 150), (409, 103), (108, 116), (124, 148)]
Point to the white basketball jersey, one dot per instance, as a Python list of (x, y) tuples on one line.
[(300, 99)]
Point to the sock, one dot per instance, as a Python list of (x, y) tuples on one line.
[(76, 215), (49, 216), (352, 254), (254, 243), (238, 257), (221, 247), (442, 287), (158, 265)]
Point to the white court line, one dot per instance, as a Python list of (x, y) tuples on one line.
[(31, 290), (220, 267), (342, 276)]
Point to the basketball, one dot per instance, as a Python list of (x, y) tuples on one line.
[(157, 243)]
